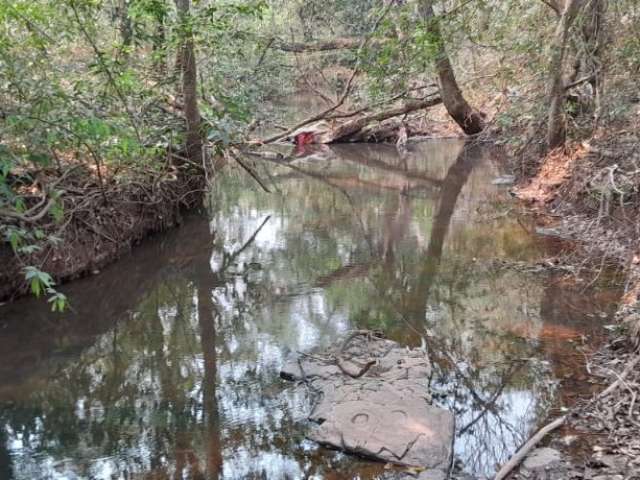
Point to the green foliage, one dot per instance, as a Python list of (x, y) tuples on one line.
[(69, 91), (75, 87), (38, 281), (41, 282)]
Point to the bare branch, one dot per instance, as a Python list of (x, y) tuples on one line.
[(553, 5), (326, 46)]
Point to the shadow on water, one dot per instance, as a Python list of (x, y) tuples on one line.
[(168, 365)]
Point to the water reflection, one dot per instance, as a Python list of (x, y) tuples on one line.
[(168, 365)]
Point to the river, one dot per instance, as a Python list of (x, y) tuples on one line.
[(167, 366)]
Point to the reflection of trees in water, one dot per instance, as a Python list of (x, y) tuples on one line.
[(207, 315), (143, 398), (486, 419), (6, 463), (497, 397), (186, 383), (452, 185)]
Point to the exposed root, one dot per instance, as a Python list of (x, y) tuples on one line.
[(100, 220)]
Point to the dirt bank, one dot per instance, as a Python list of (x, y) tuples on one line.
[(101, 220), (589, 192)]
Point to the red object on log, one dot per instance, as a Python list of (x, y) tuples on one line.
[(304, 138)]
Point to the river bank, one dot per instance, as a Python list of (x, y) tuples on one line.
[(587, 193), (100, 218)]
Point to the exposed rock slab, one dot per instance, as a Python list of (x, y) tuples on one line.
[(385, 412)]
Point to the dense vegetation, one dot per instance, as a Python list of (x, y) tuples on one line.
[(120, 109)]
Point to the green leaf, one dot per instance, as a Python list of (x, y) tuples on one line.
[(39, 281), (58, 301)]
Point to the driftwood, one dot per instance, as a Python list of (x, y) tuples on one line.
[(527, 447), (515, 460), (361, 128)]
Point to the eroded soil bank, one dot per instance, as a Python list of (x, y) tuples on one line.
[(101, 220), (589, 193)]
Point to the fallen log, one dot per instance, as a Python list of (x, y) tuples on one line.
[(336, 44), (357, 129)]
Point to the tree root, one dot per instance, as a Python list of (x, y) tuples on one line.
[(340, 361)]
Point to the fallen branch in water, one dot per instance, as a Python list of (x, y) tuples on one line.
[(250, 171), (527, 447), (350, 131), (362, 128), (358, 374), (515, 460), (365, 368)]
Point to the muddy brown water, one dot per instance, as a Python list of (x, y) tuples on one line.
[(168, 365)]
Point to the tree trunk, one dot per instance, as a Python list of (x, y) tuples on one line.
[(594, 35), (159, 46), (556, 126), (189, 72), (125, 26), (470, 120)]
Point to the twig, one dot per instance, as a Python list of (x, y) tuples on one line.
[(515, 460), (250, 171), (580, 81), (360, 373), (615, 385), (345, 344), (263, 55), (533, 441), (231, 258)]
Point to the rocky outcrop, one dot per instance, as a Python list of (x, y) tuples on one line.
[(373, 400)]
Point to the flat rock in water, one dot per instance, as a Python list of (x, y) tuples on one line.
[(385, 413)]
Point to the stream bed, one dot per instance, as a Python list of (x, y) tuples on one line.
[(168, 364)]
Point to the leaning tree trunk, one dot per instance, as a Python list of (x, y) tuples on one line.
[(593, 31), (556, 125), (189, 72), (470, 120)]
